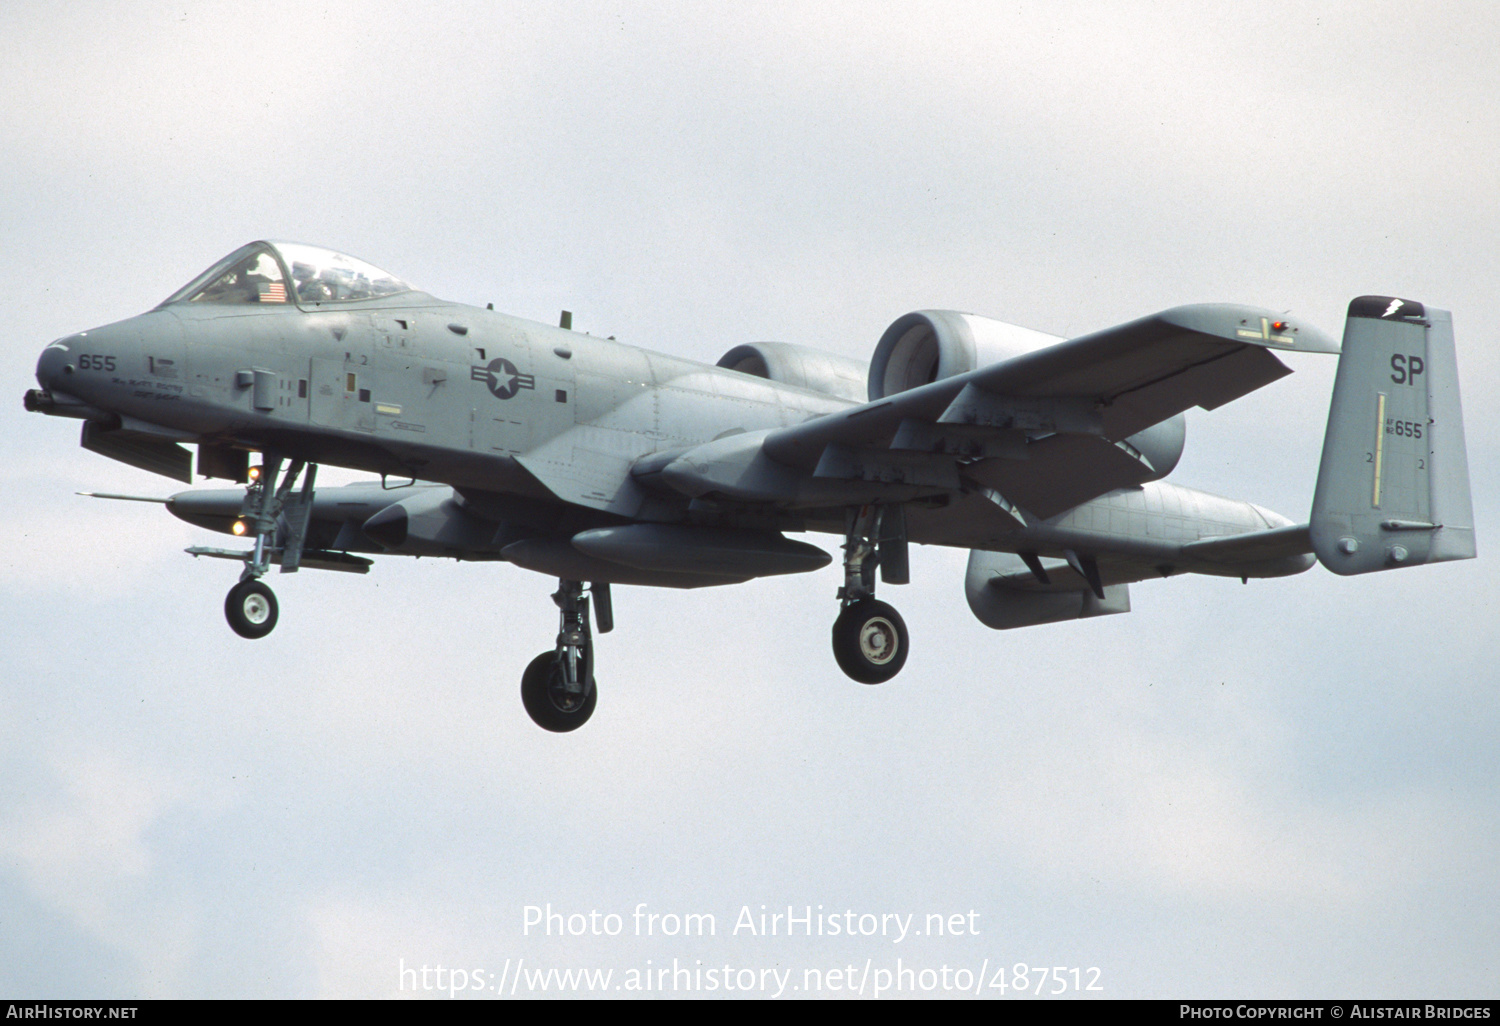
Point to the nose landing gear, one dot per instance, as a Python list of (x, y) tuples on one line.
[(269, 511)]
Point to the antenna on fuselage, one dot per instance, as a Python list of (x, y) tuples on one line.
[(565, 322)]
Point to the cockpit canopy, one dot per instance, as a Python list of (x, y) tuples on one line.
[(288, 272)]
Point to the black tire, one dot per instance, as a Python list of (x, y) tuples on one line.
[(250, 608), (545, 700), (870, 641)]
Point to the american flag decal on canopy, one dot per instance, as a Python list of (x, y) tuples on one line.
[(272, 292)]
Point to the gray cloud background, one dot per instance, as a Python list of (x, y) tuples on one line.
[(1286, 789)]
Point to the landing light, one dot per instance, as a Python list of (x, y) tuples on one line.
[(254, 474), (238, 528)]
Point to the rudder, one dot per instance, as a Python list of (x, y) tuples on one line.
[(1393, 484)]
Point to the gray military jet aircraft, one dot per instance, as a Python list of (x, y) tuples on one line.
[(598, 463)]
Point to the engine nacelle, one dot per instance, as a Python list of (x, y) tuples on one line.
[(1004, 607), (930, 345), (801, 367), (1162, 444)]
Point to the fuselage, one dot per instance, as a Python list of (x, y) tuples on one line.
[(503, 408), (407, 385)]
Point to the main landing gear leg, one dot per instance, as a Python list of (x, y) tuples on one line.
[(869, 637), (558, 687), (250, 607)]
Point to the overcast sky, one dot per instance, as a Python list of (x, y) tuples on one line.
[(1281, 789)]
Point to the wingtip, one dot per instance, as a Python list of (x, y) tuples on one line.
[(1252, 325)]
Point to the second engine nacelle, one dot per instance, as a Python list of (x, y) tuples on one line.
[(1161, 444), (800, 367), (930, 345)]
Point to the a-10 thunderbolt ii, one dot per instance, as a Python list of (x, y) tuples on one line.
[(598, 463)]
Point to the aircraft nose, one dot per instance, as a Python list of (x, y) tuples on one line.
[(55, 365)]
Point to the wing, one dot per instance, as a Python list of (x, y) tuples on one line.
[(1044, 431)]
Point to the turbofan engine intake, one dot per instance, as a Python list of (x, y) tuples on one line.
[(930, 345), (801, 367)]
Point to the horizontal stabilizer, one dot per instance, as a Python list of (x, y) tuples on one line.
[(1393, 484), (1254, 547)]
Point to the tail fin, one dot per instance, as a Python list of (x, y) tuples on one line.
[(1393, 485)]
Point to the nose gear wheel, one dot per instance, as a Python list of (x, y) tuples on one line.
[(250, 608)]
